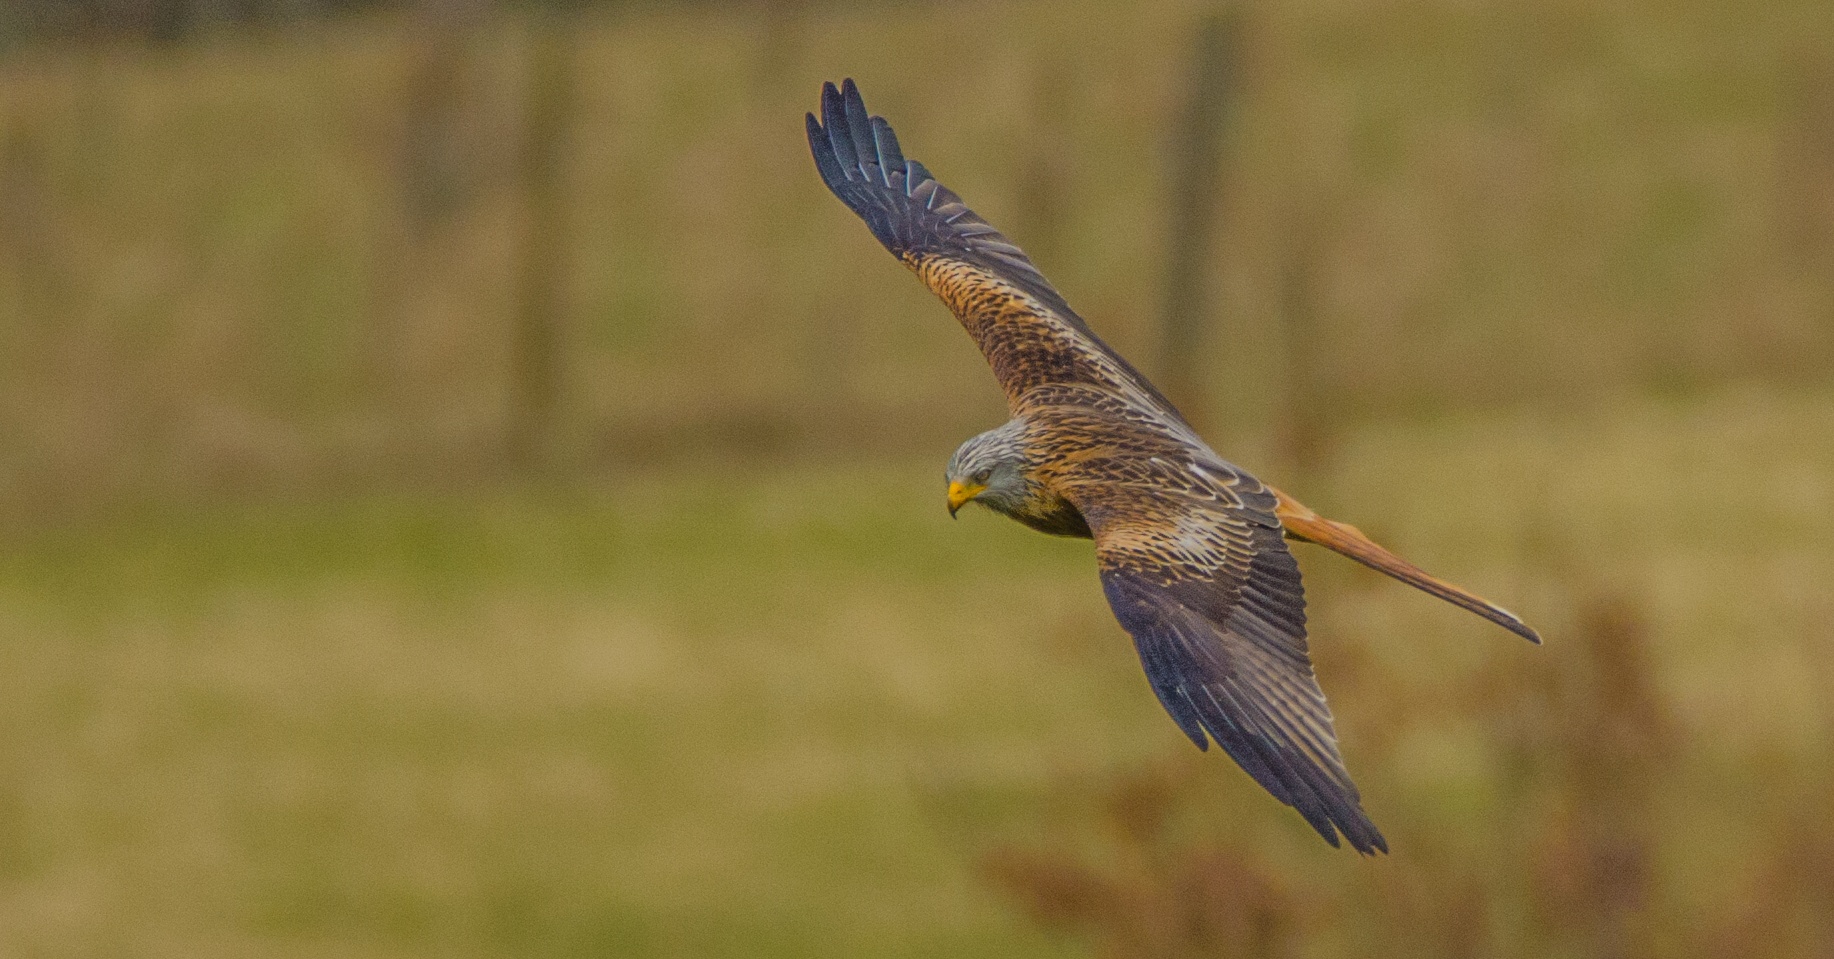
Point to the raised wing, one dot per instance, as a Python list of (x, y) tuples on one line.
[(1195, 567), (1029, 335)]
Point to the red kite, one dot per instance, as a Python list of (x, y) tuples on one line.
[(1191, 548)]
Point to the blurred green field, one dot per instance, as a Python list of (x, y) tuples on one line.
[(785, 711), (292, 663)]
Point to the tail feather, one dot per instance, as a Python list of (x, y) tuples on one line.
[(1303, 524)]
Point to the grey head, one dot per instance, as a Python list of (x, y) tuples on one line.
[(990, 469)]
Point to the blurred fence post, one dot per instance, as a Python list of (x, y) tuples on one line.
[(1040, 191), (780, 29), (1196, 184), (544, 267), (1806, 203), (1302, 438), (436, 170), (26, 246), (433, 172), (35, 240)]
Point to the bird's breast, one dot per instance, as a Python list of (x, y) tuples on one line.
[(1047, 512)]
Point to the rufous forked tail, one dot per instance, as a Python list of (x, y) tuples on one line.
[(1303, 524)]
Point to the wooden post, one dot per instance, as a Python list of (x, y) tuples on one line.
[(433, 173), (1044, 167), (1196, 183), (780, 32), (35, 242), (544, 271), (26, 246), (435, 166), (1806, 200), (1302, 437)]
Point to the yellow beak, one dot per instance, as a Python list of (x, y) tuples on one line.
[(961, 493)]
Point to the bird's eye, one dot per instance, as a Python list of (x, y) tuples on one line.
[(982, 476)]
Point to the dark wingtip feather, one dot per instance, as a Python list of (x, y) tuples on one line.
[(906, 209), (834, 124), (859, 127), (823, 151), (891, 158)]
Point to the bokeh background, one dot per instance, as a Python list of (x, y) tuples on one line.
[(467, 490)]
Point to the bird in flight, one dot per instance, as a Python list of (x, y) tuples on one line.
[(1191, 548)]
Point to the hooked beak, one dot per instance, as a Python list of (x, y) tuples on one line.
[(960, 493)]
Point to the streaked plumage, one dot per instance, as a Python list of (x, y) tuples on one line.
[(1191, 548)]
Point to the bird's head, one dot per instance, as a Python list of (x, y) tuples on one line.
[(990, 469)]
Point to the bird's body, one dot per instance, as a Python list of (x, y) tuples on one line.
[(1190, 547)]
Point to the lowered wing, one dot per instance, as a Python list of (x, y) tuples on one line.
[(1195, 568)]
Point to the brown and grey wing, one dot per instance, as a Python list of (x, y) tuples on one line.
[(1029, 335), (1205, 585)]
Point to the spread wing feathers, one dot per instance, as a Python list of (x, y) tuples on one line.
[(1196, 570), (859, 159), (1029, 335)]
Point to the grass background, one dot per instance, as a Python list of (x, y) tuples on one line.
[(291, 662)]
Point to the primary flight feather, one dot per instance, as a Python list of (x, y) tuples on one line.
[(1191, 548)]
